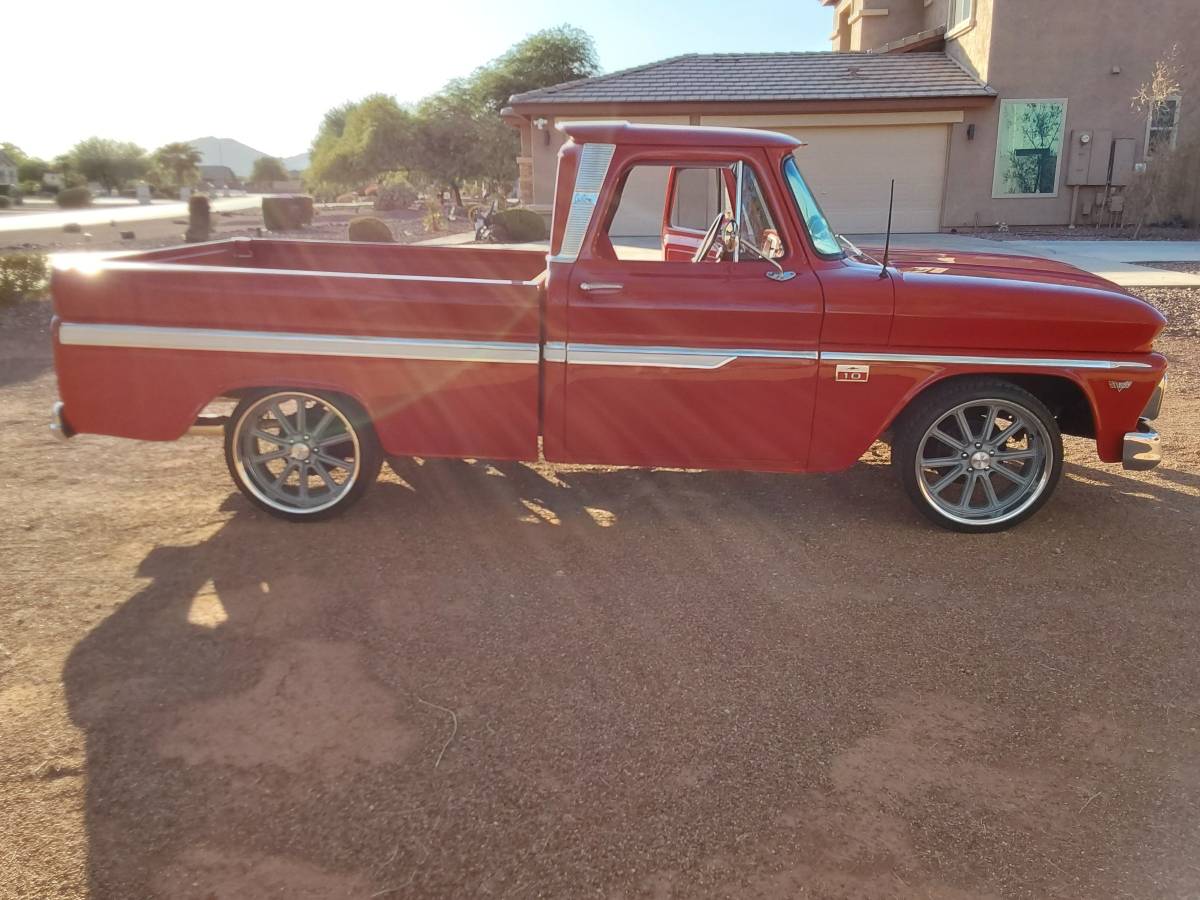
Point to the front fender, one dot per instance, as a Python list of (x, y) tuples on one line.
[(851, 414)]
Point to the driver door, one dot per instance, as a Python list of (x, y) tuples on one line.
[(678, 363)]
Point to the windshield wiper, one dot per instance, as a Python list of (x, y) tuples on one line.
[(853, 249)]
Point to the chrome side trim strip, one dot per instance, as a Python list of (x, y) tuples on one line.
[(673, 357), (1035, 362), (554, 351), (158, 338), (118, 265)]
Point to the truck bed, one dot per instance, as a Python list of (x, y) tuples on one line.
[(439, 344)]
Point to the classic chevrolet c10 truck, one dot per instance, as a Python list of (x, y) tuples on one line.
[(745, 334)]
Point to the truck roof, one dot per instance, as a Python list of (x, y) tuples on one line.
[(621, 132)]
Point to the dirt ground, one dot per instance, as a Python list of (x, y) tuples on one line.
[(501, 680)]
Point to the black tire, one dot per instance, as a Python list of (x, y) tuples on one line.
[(326, 498), (975, 397)]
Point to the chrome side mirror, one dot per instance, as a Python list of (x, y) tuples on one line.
[(729, 237)]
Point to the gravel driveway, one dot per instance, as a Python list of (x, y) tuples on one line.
[(500, 680)]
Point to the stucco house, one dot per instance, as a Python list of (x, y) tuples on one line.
[(983, 111)]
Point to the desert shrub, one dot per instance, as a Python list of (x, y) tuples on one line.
[(518, 226), (74, 198), (395, 192), (371, 229), (6, 203), (22, 276), (287, 213), (199, 218)]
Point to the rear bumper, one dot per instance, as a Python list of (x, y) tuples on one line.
[(1142, 448), (58, 423)]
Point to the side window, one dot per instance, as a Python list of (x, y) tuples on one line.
[(699, 196), (635, 231)]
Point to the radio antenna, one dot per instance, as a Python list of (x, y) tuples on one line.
[(887, 239)]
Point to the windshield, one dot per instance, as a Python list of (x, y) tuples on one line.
[(823, 238)]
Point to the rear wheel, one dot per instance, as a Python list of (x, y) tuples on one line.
[(978, 455), (301, 455)]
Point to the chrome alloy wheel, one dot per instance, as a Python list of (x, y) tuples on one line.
[(296, 452), (984, 461)]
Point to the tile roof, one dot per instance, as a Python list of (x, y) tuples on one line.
[(757, 77)]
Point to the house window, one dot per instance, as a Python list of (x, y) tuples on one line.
[(1163, 126), (1029, 148), (961, 12)]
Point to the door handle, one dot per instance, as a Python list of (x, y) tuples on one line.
[(781, 275), (600, 286)]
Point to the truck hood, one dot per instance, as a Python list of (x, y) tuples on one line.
[(994, 265), (998, 301)]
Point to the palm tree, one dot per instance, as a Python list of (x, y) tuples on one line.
[(181, 160)]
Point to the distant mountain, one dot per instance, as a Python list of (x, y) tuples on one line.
[(238, 156), (297, 163)]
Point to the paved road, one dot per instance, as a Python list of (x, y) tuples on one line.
[(125, 215)]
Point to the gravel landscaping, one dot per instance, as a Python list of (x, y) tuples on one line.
[(1180, 305), (1083, 233)]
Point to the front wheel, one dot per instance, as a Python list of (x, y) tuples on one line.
[(301, 455), (978, 455)]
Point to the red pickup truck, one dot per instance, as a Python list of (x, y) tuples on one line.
[(736, 330)]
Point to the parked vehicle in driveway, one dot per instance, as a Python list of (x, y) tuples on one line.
[(747, 334)]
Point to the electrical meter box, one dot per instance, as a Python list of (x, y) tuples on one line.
[(1089, 156), (1122, 165)]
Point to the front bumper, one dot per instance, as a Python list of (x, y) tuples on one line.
[(58, 423), (1142, 448)]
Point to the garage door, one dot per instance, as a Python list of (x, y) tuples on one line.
[(851, 167)]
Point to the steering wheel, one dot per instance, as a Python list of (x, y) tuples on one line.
[(710, 238)]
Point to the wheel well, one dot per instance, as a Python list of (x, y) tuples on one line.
[(1064, 398)]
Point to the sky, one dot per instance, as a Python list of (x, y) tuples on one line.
[(265, 73)]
